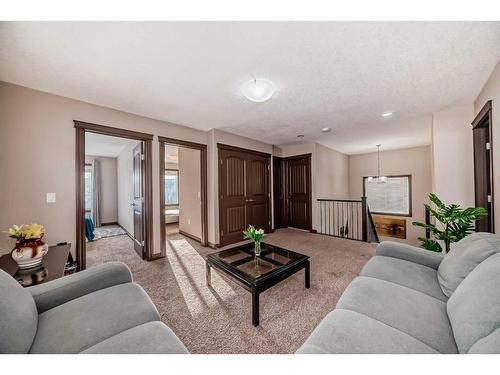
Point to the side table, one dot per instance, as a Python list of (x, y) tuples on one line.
[(52, 266)]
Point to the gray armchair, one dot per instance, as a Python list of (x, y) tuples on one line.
[(99, 310)]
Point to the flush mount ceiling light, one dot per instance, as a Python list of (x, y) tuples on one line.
[(387, 114), (326, 130), (258, 90)]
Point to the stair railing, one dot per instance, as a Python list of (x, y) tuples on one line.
[(347, 218)]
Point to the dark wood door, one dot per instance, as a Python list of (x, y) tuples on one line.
[(243, 193), (138, 203), (299, 192), (257, 197), (483, 182), (278, 193)]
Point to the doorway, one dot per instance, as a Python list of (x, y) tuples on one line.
[(244, 192), (183, 190), (292, 199), (483, 167), (140, 183)]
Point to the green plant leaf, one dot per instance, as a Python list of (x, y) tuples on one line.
[(456, 223), (430, 245), (434, 199)]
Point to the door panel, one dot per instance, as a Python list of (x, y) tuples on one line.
[(243, 193), (278, 193), (138, 204), (235, 176), (482, 175), (257, 198), (235, 219), (299, 192), (259, 218), (257, 171), (232, 191)]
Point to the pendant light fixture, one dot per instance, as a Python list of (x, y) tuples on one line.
[(379, 179)]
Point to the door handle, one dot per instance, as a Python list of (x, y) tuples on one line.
[(250, 200)]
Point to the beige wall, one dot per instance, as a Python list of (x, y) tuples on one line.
[(49, 124), (109, 192), (452, 155), (190, 192), (491, 91), (332, 173), (125, 190), (330, 176), (37, 155), (415, 161)]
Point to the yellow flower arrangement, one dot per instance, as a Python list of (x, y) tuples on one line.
[(26, 231)]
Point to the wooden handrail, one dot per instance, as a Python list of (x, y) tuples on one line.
[(337, 200)]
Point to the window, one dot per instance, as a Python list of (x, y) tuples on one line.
[(88, 187), (390, 198), (171, 187)]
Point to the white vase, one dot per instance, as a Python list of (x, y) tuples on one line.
[(28, 254)]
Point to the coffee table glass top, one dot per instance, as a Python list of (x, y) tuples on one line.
[(243, 259)]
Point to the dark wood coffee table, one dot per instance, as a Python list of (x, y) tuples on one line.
[(257, 274)]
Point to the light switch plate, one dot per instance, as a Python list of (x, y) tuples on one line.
[(51, 197)]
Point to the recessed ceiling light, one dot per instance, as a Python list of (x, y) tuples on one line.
[(258, 90), (300, 135), (326, 130), (387, 114)]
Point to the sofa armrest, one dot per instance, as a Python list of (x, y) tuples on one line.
[(62, 290), (409, 253)]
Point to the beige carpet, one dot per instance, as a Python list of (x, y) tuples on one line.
[(218, 319)]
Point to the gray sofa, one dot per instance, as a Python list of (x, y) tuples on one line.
[(409, 300), (99, 310)]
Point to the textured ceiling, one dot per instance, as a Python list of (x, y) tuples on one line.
[(104, 145), (341, 75)]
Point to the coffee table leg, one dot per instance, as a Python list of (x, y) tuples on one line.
[(208, 275), (308, 275), (255, 308)]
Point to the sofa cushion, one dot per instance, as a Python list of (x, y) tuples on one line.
[(410, 253), (405, 273), (18, 316), (83, 322), (487, 345), (346, 332), (148, 338), (474, 308), (410, 311), (463, 257)]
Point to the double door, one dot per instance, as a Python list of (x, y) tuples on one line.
[(292, 192), (244, 195)]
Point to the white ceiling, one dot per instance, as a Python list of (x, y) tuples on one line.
[(104, 145), (341, 75)]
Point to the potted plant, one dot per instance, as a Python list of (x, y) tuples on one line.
[(30, 248), (454, 222), (256, 235)]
